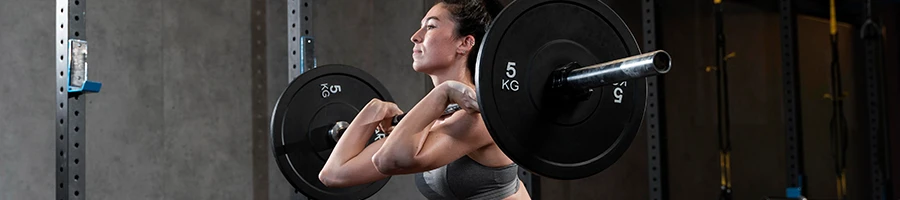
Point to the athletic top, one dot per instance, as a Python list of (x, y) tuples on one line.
[(465, 178)]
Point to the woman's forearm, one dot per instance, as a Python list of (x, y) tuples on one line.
[(350, 161), (400, 149), (351, 143)]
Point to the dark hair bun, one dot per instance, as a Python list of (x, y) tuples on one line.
[(493, 7)]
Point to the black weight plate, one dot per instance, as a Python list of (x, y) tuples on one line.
[(546, 133), (317, 99)]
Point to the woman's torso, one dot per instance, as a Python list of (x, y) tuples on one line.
[(485, 173), (467, 179)]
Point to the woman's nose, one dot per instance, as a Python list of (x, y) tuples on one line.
[(415, 37)]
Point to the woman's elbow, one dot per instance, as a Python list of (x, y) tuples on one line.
[(328, 178), (391, 165)]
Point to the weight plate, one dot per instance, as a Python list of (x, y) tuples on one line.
[(549, 134), (310, 105)]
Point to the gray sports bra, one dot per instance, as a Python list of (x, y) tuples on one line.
[(467, 179)]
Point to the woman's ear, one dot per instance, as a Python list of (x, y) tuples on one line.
[(466, 45)]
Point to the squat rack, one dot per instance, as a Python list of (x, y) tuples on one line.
[(72, 49)]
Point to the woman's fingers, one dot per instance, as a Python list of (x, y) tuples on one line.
[(390, 110), (462, 94)]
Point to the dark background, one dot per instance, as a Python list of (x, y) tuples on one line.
[(173, 119)]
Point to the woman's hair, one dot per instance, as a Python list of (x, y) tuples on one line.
[(472, 18)]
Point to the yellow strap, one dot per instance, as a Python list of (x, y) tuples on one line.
[(728, 168), (833, 19), (843, 183), (722, 177), (731, 55)]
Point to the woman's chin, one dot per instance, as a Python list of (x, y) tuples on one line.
[(418, 67)]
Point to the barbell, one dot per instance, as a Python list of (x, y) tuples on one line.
[(546, 103)]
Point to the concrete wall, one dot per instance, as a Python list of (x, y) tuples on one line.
[(26, 94), (173, 119)]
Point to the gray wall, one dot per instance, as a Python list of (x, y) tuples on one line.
[(173, 118), (26, 93), (171, 121)]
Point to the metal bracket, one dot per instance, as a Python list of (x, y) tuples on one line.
[(301, 57), (78, 68), (307, 54)]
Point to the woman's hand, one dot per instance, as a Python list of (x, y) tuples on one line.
[(380, 112), (460, 93)]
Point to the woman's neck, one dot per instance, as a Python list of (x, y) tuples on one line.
[(454, 73)]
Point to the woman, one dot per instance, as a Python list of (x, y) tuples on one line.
[(453, 156)]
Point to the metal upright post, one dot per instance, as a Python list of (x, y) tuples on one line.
[(71, 65), (70, 112), (656, 137), (878, 137), (301, 57), (790, 75)]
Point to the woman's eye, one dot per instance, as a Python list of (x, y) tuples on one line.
[(429, 27)]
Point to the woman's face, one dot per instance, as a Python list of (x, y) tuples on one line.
[(436, 45)]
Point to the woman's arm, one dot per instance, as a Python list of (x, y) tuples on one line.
[(350, 162), (417, 145)]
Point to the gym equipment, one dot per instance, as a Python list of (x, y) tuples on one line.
[(312, 104), (587, 117), (722, 111), (838, 125), (545, 102), (72, 89), (879, 156)]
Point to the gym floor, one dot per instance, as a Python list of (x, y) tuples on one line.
[(173, 120)]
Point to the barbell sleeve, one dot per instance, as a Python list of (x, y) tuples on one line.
[(576, 78), (337, 130)]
